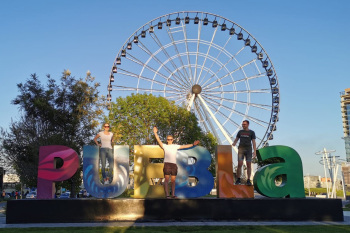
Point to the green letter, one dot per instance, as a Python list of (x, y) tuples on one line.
[(290, 169)]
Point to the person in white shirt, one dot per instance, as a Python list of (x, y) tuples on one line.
[(106, 151), (170, 167)]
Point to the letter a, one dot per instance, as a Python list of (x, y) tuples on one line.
[(291, 171)]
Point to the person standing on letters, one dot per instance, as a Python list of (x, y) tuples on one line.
[(106, 151), (246, 138), (170, 167)]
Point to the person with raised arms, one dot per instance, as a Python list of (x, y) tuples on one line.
[(170, 167)]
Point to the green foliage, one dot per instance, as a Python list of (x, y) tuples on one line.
[(128, 193), (18, 187), (347, 207), (135, 116), (52, 114), (268, 161), (317, 191)]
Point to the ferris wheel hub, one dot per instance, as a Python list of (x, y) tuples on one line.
[(196, 89)]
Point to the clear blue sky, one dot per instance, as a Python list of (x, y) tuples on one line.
[(308, 42)]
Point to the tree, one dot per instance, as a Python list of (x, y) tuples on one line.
[(133, 119), (53, 114)]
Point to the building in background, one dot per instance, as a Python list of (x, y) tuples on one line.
[(345, 112), (311, 182)]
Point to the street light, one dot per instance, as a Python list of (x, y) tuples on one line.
[(325, 160)]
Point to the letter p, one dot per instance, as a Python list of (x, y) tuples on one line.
[(48, 174)]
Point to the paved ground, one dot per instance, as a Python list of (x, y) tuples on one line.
[(206, 223)]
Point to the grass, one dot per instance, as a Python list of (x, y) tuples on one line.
[(347, 207), (324, 190), (201, 229)]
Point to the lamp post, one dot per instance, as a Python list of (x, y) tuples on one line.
[(333, 166), (325, 160)]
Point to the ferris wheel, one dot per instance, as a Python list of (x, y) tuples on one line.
[(206, 63)]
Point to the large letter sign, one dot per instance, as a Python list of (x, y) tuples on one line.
[(148, 176), (291, 171), (197, 170), (47, 172), (224, 176), (192, 163), (91, 169)]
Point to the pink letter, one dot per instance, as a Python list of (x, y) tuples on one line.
[(47, 171)]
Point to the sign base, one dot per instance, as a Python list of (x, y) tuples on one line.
[(199, 209)]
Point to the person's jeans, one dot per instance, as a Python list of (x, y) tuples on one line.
[(106, 153)]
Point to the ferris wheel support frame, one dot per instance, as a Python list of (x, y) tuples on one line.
[(217, 122)]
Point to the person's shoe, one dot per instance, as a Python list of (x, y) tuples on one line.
[(238, 181), (248, 182)]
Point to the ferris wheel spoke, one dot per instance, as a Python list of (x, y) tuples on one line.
[(232, 57), (176, 96), (137, 89), (261, 106), (250, 78), (213, 105), (256, 120), (137, 61), (230, 73), (201, 110), (187, 51), (205, 60), (146, 50), (157, 41), (241, 91), (150, 81), (202, 120), (205, 88), (216, 108), (198, 43), (259, 138), (206, 56), (170, 33), (223, 131), (179, 101), (128, 73), (257, 68)]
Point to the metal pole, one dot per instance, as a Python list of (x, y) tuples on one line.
[(330, 172), (325, 160), (343, 184), (308, 183), (325, 172), (334, 189)]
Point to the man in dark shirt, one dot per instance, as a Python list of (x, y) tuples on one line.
[(246, 138)]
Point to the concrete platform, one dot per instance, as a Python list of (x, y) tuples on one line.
[(165, 210)]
